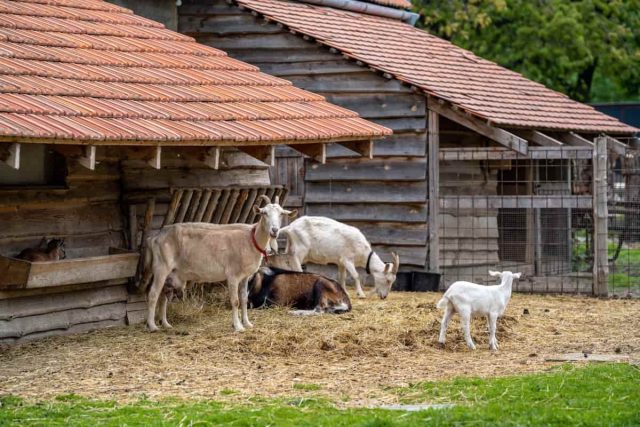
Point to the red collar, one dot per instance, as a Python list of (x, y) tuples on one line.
[(255, 244)]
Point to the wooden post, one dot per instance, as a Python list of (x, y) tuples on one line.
[(133, 228), (10, 154), (88, 160), (434, 194), (600, 217), (146, 228)]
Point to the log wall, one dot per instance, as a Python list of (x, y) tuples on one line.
[(385, 197)]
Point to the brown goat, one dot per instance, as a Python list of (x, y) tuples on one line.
[(309, 292), (54, 251)]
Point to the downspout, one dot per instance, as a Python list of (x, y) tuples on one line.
[(368, 8)]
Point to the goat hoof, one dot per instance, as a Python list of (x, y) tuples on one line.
[(440, 345), (472, 346), (239, 328), (167, 325), (152, 328), (248, 325), (362, 296)]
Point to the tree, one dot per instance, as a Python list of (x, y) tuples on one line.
[(588, 49)]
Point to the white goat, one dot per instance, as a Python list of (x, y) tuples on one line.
[(470, 299), (325, 241), (203, 252)]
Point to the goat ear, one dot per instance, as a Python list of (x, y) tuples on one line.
[(517, 275), (388, 267), (257, 210), (292, 213), (495, 273)]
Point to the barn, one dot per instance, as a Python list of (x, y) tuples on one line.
[(485, 169), (112, 125)]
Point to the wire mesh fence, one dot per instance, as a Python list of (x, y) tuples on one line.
[(623, 201), (501, 211)]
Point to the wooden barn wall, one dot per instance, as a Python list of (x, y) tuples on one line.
[(85, 211), (139, 181), (91, 212), (468, 237), (385, 197)]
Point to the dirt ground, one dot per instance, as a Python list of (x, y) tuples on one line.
[(355, 358)]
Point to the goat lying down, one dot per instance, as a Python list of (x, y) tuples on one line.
[(310, 293)]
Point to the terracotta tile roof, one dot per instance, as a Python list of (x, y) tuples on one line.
[(481, 87), (398, 4), (86, 70)]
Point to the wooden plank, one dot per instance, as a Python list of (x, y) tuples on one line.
[(406, 144), (42, 292), (251, 218), (511, 202), (616, 146), (573, 138), (88, 159), (75, 329), (204, 203), (237, 210), (538, 137), (10, 154), (227, 25), (498, 135), (434, 190), (368, 170), (136, 317), (364, 148), (62, 320), (600, 219), (133, 228), (224, 198), (31, 306), (194, 206), (67, 271), (308, 68), (211, 207), (170, 216), (231, 203), (376, 106), (405, 213), (500, 153), (379, 233), (317, 152), (264, 153), (246, 210), (367, 192), (136, 179), (184, 206)]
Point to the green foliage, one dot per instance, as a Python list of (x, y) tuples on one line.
[(605, 394), (587, 49)]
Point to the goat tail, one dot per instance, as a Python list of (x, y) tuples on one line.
[(442, 304)]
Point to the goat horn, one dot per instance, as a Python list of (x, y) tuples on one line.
[(265, 198), (396, 262), (277, 201)]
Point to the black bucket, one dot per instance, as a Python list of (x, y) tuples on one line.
[(403, 282), (425, 281)]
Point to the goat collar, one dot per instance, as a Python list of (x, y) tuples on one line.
[(255, 244), (368, 262)]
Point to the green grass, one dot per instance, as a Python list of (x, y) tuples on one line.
[(606, 394), (306, 387)]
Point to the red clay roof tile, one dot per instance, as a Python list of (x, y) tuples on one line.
[(439, 68), (86, 70)]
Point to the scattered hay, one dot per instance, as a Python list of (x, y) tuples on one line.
[(357, 357)]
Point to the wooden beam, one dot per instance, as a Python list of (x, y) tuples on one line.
[(317, 152), (538, 137), (616, 146), (498, 135), (600, 219), (501, 153), (209, 156), (515, 202), (434, 190), (155, 160), (364, 148), (88, 159), (264, 153), (10, 154), (573, 138)]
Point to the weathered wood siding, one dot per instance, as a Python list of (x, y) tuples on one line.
[(385, 197)]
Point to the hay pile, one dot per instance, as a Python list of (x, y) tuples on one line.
[(356, 357)]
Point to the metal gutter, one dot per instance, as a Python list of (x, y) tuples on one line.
[(368, 8)]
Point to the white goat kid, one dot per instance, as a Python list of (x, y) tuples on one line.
[(470, 300), (202, 252), (323, 241)]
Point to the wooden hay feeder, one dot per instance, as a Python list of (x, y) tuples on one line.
[(21, 274)]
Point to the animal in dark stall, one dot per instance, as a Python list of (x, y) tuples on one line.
[(310, 293), (53, 251)]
